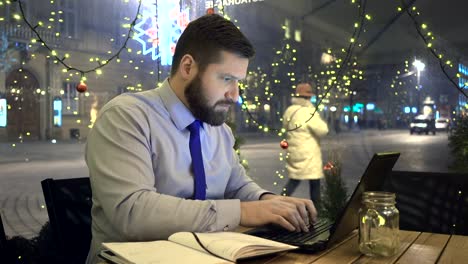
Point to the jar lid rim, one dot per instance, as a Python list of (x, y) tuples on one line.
[(379, 193)]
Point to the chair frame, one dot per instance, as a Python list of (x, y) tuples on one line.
[(3, 239), (431, 201), (69, 205)]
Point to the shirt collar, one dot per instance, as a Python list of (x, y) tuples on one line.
[(179, 113)]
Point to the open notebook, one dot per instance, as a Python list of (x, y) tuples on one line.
[(183, 247)]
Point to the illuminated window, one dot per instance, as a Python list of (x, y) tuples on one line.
[(3, 112), (57, 107), (69, 10), (70, 96), (462, 82)]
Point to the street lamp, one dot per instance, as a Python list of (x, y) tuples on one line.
[(419, 65)]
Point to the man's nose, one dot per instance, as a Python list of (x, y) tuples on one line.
[(233, 92)]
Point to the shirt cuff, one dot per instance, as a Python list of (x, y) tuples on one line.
[(228, 214)]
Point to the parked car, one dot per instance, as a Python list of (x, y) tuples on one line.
[(442, 124), (423, 124)]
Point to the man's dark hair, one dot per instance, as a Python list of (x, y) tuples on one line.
[(204, 39)]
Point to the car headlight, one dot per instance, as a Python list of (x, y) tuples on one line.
[(422, 125)]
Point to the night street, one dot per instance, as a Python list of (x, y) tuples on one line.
[(24, 166), (313, 89)]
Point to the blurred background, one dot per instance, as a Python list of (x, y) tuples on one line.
[(387, 76)]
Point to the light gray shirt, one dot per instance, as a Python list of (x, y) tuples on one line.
[(140, 169)]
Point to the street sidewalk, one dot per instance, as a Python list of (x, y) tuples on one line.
[(12, 152), (344, 133)]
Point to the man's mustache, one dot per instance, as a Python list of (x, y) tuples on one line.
[(225, 102)]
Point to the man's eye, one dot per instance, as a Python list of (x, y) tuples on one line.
[(227, 79)]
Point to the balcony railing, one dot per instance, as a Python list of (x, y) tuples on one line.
[(24, 34)]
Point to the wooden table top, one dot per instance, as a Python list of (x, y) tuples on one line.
[(415, 248)]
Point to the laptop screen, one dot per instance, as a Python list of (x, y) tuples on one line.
[(373, 178)]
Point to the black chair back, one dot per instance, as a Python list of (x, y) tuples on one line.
[(69, 207), (431, 202), (3, 241)]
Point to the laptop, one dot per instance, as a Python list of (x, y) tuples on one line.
[(324, 233)]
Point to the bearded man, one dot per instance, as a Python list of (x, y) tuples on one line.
[(162, 161)]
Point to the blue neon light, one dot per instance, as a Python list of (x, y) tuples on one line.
[(3, 112), (313, 99), (463, 69), (240, 101), (158, 37), (461, 82), (414, 110), (407, 109), (357, 107)]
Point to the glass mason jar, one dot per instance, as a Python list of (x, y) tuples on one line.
[(378, 224)]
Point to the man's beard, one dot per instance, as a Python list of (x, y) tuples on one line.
[(198, 104)]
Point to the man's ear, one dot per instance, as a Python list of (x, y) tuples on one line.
[(188, 67)]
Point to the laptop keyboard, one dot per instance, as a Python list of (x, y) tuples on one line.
[(293, 238)]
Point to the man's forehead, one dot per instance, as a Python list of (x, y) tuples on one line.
[(232, 65)]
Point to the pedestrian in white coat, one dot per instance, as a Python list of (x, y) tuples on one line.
[(304, 157)]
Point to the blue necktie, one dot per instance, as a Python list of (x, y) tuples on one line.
[(197, 160)]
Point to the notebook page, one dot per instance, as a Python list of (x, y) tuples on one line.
[(230, 245), (161, 252)]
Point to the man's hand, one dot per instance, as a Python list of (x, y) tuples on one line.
[(289, 212)]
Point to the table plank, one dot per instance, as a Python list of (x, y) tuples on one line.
[(456, 250), (346, 252), (415, 247), (262, 259), (292, 258), (406, 239), (296, 258), (426, 249)]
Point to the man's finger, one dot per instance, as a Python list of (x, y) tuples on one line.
[(301, 207), (281, 221), (298, 221), (291, 215), (312, 211), (303, 224)]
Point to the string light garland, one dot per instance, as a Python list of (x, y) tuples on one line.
[(326, 77), (101, 64), (396, 93), (431, 48), (349, 51), (398, 82), (346, 61)]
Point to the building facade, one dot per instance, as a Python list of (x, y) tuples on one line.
[(38, 95)]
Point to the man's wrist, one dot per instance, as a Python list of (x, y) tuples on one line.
[(266, 196)]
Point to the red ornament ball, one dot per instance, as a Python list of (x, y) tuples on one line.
[(82, 87), (210, 11), (284, 144)]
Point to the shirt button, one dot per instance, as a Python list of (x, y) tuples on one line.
[(226, 228)]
